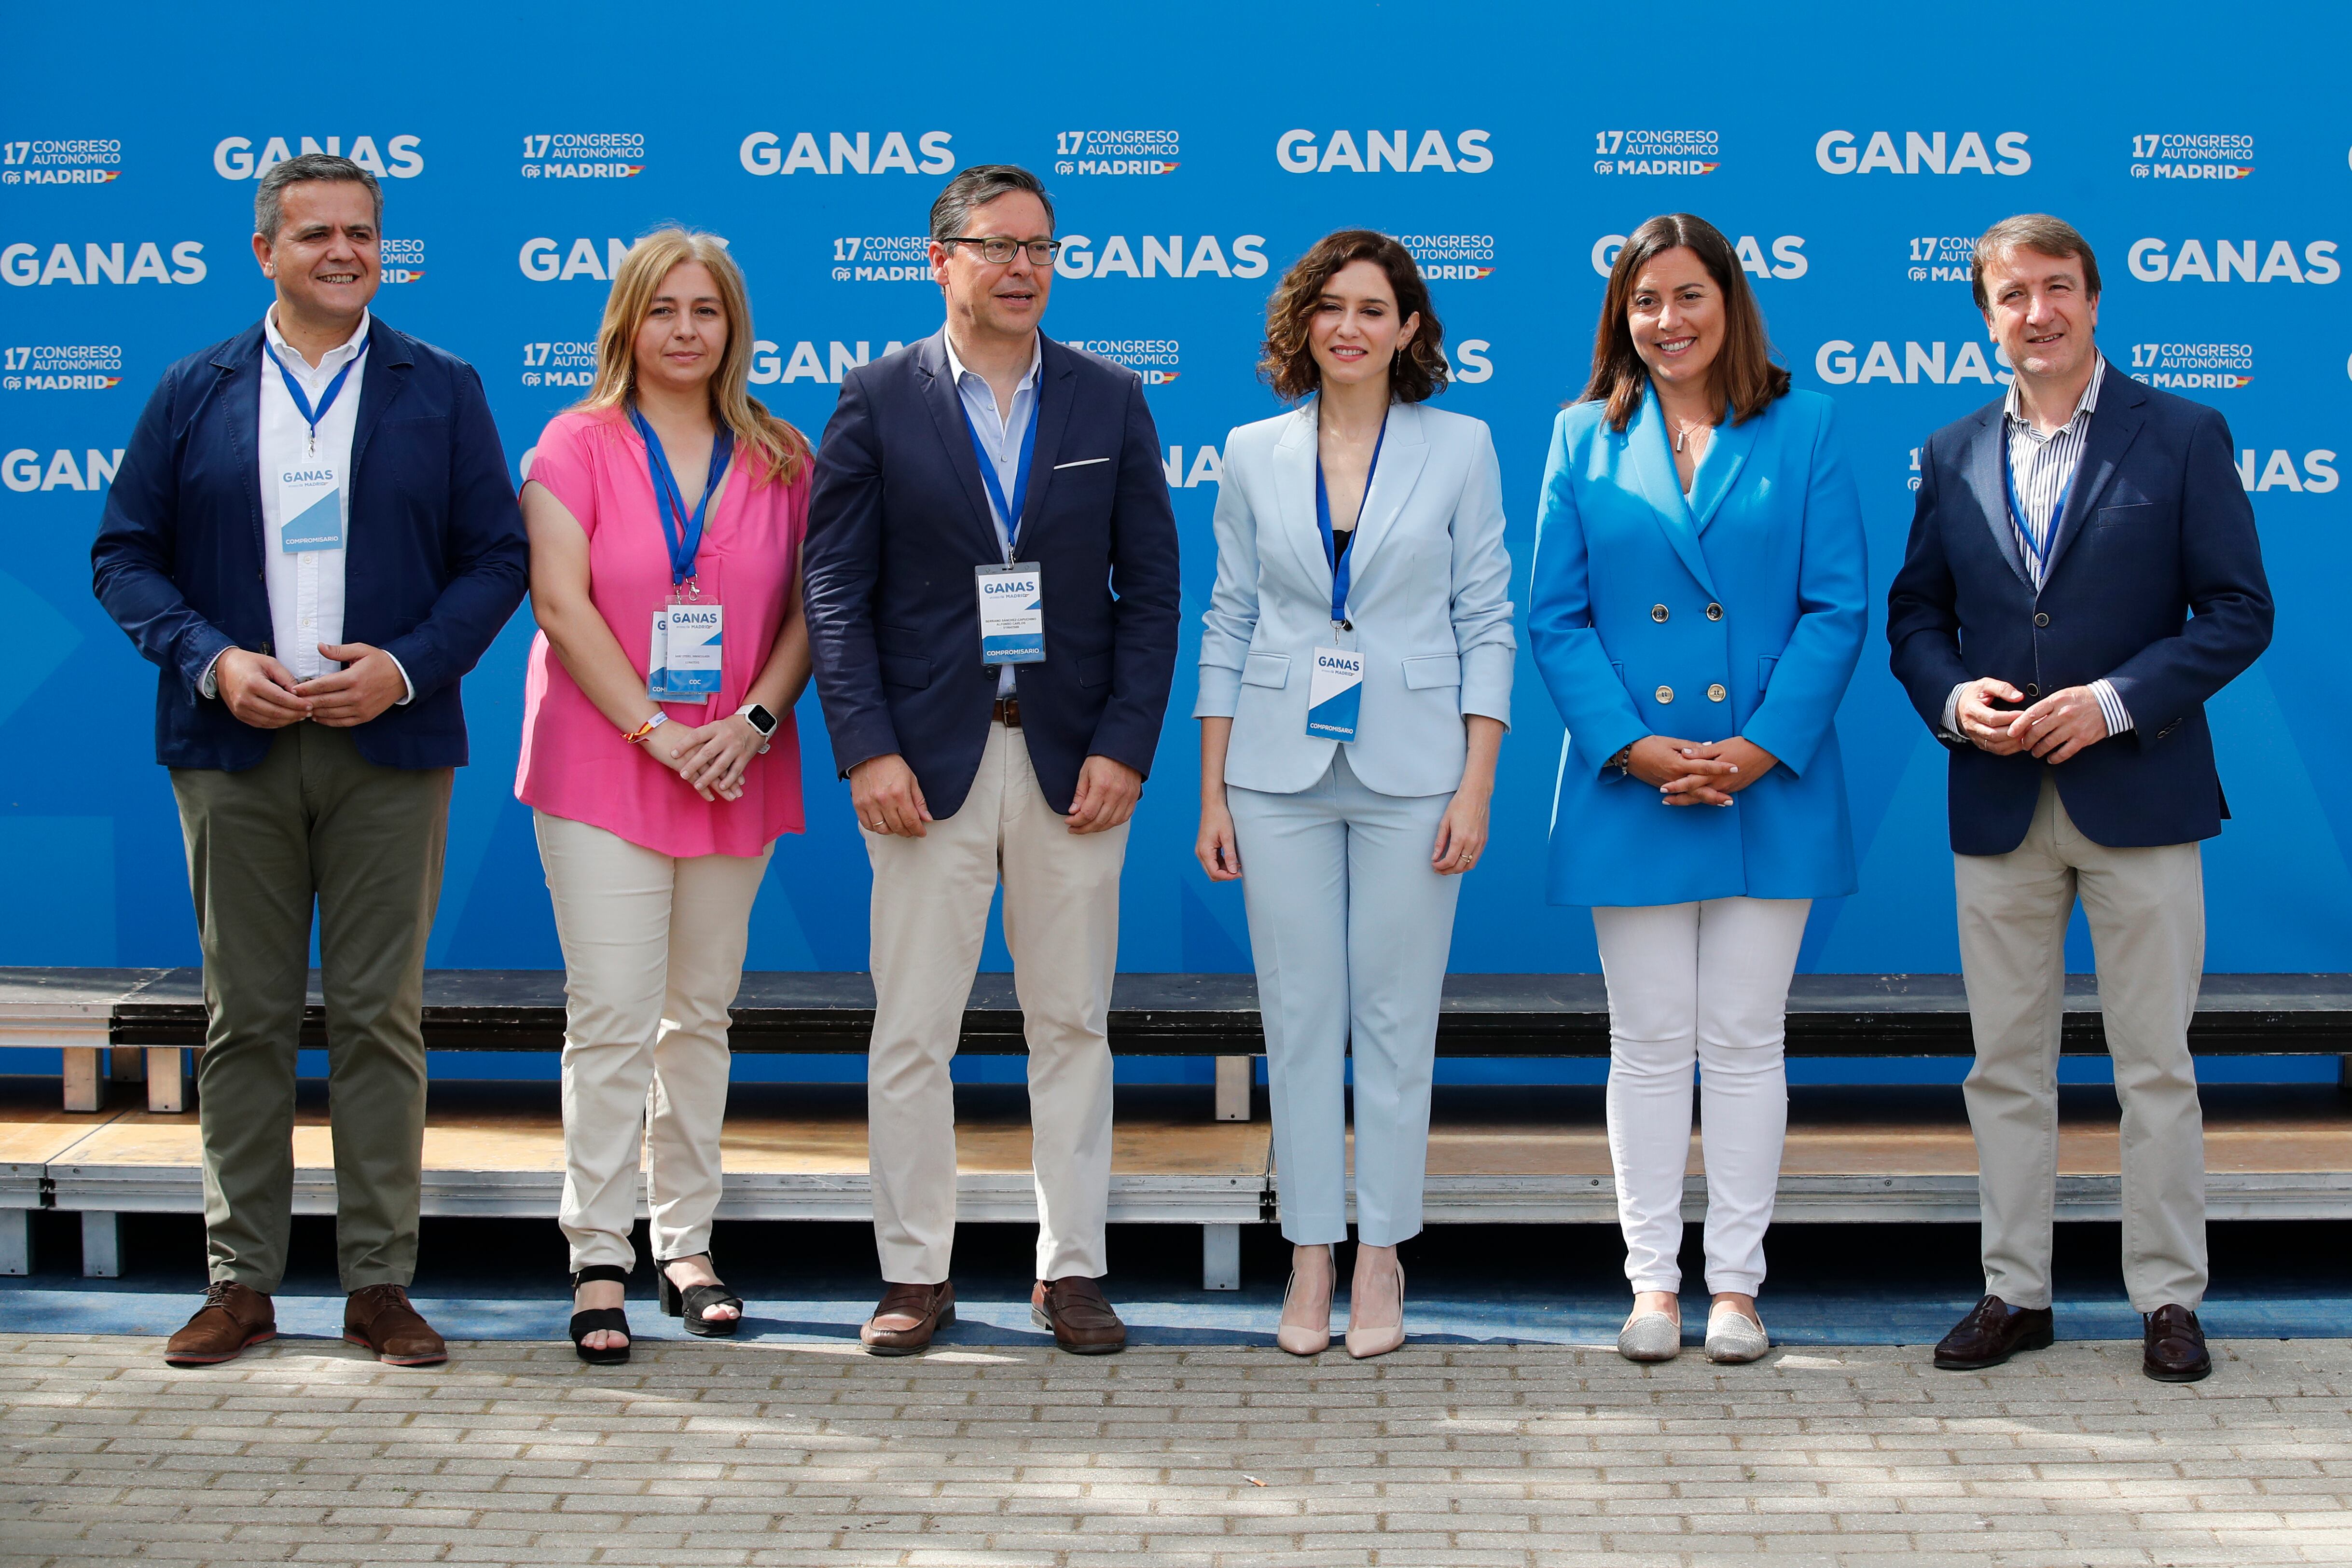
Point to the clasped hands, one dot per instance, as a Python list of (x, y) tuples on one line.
[(2052, 729), (711, 758), (263, 693), (889, 800), (1698, 772)]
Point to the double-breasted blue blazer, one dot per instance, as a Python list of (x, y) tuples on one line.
[(1738, 612)]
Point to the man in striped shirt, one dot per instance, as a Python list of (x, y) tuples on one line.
[(2082, 576)]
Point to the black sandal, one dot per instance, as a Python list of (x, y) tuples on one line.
[(689, 1304), (609, 1319)]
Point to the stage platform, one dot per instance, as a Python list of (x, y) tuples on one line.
[(1520, 1155)]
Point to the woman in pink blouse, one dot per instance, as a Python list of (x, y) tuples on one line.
[(665, 512)]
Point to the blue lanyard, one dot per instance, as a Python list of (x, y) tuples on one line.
[(2040, 548), (1341, 567), (1012, 514), (683, 534), (312, 416)]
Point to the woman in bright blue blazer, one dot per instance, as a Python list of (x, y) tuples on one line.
[(1698, 607)]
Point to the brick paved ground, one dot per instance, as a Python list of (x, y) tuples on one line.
[(306, 1452)]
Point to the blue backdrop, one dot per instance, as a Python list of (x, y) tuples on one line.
[(1194, 151)]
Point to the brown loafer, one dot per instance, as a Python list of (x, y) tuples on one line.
[(379, 1318), (233, 1318), (1992, 1332), (1082, 1320), (904, 1321), (2175, 1349)]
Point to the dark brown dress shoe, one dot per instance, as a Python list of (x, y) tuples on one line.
[(1992, 1332), (232, 1318), (380, 1318), (1082, 1320), (2176, 1347), (903, 1322)]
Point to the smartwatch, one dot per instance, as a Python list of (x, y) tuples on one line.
[(761, 719)]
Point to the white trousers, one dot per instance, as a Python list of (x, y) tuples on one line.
[(653, 956), (1705, 982), (1350, 928), (2147, 912), (1061, 921)]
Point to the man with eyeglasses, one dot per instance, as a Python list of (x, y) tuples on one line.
[(992, 590)]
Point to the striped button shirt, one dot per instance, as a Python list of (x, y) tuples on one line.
[(2040, 469)]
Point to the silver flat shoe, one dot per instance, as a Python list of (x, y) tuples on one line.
[(1733, 1337), (1650, 1336)]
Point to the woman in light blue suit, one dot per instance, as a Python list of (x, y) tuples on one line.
[(1697, 609), (1355, 684)]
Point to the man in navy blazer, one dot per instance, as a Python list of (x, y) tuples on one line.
[(990, 463), (314, 534), (2082, 574)]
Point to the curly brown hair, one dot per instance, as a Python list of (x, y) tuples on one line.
[(1745, 375), (1287, 364)]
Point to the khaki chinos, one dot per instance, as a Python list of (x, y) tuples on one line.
[(2147, 913), (314, 820)]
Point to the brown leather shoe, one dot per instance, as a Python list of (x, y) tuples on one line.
[(1082, 1320), (1992, 1332), (380, 1318), (2175, 1349), (904, 1321), (233, 1318)]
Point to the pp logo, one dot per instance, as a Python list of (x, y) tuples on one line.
[(1787, 256), (75, 367)]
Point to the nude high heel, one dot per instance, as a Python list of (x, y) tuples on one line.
[(1303, 1338), (1366, 1342)]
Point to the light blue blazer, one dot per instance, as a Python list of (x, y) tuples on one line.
[(1429, 597), (1737, 611)]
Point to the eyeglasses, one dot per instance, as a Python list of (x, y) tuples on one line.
[(996, 249)]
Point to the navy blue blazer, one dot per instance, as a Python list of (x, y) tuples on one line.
[(898, 520), (435, 563), (2155, 584)]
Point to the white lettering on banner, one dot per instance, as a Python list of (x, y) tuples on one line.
[(235, 159), (771, 364), (21, 470), (2278, 472), (1471, 365), (115, 262), (2155, 261), (1787, 253), (2193, 367), (1926, 153), (765, 152), (1161, 257), (60, 367), (1208, 468), (71, 161), (1297, 151), (1932, 362), (1153, 359), (539, 263)]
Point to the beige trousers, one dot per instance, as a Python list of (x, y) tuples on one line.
[(1061, 921), (653, 956), (2147, 912)]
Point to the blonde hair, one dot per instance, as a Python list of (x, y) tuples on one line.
[(782, 451)]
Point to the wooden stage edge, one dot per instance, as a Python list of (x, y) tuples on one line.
[(797, 1151)]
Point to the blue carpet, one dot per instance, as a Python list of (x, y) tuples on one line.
[(1796, 1318)]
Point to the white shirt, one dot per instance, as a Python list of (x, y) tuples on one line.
[(1000, 435), (306, 587), (2041, 467)]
